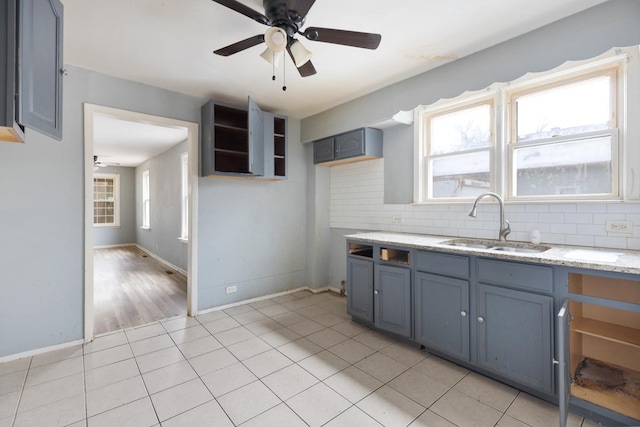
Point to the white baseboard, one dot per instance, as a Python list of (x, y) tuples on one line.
[(37, 351), (119, 245), (161, 260), (262, 298)]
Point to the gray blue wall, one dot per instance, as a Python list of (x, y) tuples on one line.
[(42, 212), (253, 233), (165, 206), (250, 231), (126, 232)]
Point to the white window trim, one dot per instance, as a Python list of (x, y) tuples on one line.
[(486, 97), (628, 105), (146, 201), (184, 197), (116, 197)]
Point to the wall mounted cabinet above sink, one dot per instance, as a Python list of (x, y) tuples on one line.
[(353, 146)]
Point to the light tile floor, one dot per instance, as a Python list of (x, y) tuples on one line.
[(294, 360)]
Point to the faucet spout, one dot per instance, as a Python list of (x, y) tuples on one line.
[(505, 227)]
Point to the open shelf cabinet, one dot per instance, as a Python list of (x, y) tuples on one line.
[(604, 342)]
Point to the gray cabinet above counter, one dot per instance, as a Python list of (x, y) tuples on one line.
[(353, 146)]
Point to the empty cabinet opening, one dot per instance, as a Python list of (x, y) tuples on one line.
[(398, 256), (605, 345), (358, 249)]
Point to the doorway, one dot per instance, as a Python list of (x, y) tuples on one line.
[(93, 114)]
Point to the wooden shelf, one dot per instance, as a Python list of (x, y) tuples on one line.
[(606, 331), (594, 383)]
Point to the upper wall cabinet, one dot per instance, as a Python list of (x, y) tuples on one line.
[(348, 147), (247, 143), (31, 68)]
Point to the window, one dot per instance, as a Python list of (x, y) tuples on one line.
[(184, 173), (563, 138), (458, 151), (553, 136), (106, 202), (146, 211)]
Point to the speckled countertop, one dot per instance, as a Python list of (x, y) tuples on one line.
[(625, 261)]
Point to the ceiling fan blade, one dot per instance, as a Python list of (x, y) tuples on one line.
[(300, 7), (245, 10), (343, 37), (240, 46), (307, 69)]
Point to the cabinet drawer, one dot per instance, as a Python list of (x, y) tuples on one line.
[(513, 274), (445, 264)]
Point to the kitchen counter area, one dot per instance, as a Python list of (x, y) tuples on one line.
[(559, 322), (615, 260)]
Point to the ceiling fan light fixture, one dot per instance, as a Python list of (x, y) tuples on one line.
[(271, 57), (276, 39), (301, 55)]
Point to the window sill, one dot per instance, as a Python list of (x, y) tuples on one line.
[(106, 225), (183, 239)]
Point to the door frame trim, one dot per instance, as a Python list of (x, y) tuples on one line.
[(192, 250)]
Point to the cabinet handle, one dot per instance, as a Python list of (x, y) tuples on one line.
[(480, 319), (375, 292), (463, 313)]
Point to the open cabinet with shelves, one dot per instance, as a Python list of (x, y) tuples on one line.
[(603, 333), (243, 143)]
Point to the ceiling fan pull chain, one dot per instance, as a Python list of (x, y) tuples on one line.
[(273, 66), (284, 74)]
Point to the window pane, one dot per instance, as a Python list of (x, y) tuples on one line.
[(463, 175), (461, 130), (576, 167), (565, 110)]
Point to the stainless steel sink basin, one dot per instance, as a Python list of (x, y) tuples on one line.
[(533, 249), (475, 245), (494, 245)]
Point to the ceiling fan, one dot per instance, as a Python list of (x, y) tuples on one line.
[(97, 164), (285, 19)]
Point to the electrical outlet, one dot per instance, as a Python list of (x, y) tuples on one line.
[(396, 219), (619, 226), (231, 289)]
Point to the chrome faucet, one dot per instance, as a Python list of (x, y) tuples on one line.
[(505, 228)]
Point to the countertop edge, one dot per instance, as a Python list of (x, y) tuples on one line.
[(628, 262)]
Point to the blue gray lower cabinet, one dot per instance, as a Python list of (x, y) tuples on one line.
[(514, 330), (392, 299), (564, 369), (441, 314), (497, 316), (360, 288)]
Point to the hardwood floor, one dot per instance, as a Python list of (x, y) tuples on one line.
[(131, 288)]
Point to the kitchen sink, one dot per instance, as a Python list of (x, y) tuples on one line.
[(494, 245)]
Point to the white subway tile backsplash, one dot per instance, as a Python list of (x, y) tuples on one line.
[(357, 202), (580, 240)]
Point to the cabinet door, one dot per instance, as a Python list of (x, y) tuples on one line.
[(256, 139), (39, 66), (360, 288), (323, 150), (564, 370), (515, 335), (392, 299), (441, 314), (350, 144)]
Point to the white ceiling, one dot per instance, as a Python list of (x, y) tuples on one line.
[(169, 44), (131, 143)]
